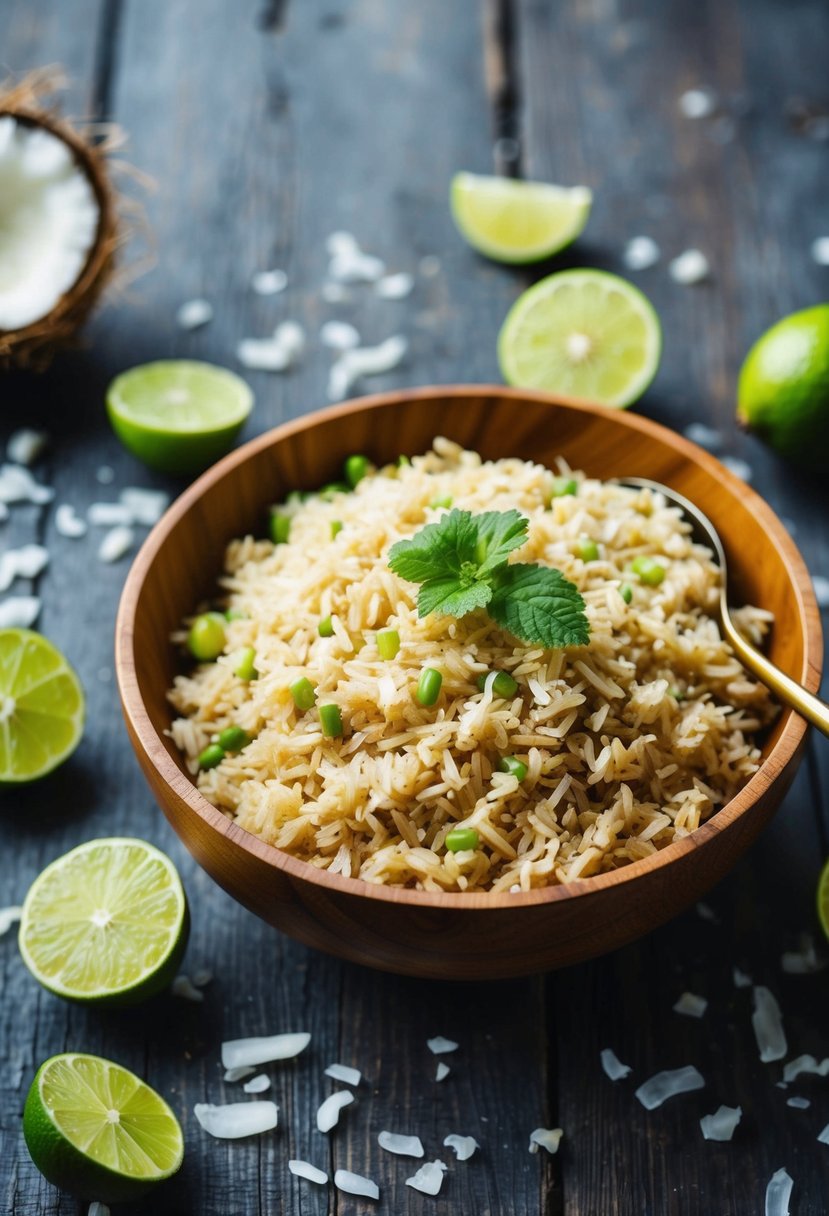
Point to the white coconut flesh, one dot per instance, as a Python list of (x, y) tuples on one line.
[(48, 222)]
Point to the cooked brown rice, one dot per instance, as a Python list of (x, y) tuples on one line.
[(629, 742)]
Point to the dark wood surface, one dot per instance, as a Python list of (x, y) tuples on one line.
[(266, 126)]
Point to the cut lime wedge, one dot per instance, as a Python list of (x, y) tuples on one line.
[(41, 706), (105, 923), (178, 415), (823, 899), (98, 1131), (515, 221), (583, 334)]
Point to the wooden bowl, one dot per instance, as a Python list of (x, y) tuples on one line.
[(423, 933)]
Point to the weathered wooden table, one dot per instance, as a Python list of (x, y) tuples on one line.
[(266, 126)]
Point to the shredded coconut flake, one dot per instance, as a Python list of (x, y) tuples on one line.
[(706, 912), (356, 1184), (257, 1085), (690, 1005), (442, 1071), (767, 1021), (821, 586), (19, 611), (144, 506), (68, 523), (462, 1146), (613, 1066), (236, 1119), (705, 436), (237, 1074), (798, 1103), (117, 542), (669, 1084), (722, 1124), (18, 485), (108, 514), (824, 1135), (403, 1146), (698, 103), (439, 1046), (545, 1137), (640, 253), (194, 313), (741, 980), (242, 1053), (339, 335), (689, 268), (263, 355), (778, 1194), (8, 917), (805, 961), (394, 286), (801, 1064), (328, 1113), (202, 977), (26, 445), (97, 1209), (428, 1179), (269, 282), (820, 250), (341, 1072), (354, 266), (304, 1169), (364, 361), (184, 987), (26, 562)]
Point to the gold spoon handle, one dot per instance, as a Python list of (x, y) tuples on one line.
[(784, 687)]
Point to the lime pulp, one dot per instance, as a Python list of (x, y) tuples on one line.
[(41, 706), (517, 221)]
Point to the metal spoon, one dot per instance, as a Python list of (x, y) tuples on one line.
[(784, 687)]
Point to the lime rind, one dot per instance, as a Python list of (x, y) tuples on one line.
[(41, 707), (517, 222), (822, 899)]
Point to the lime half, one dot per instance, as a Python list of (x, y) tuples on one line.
[(41, 706), (178, 415), (583, 334), (98, 1131), (823, 899), (106, 922), (514, 221)]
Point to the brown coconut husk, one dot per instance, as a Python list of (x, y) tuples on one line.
[(35, 345)]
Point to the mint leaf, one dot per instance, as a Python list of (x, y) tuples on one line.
[(440, 550), (446, 596), (539, 606), (499, 532)]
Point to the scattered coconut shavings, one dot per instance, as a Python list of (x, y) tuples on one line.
[(349, 264), (821, 589), (340, 242), (328, 1114), (394, 286), (689, 268), (706, 912), (778, 1194), (108, 514), (184, 987), (291, 336), (640, 253), (403, 1146), (364, 361), (824, 1135), (341, 1072), (105, 475), (705, 436), (257, 1085), (669, 1084), (439, 1046), (462, 1146), (820, 250), (194, 313), (545, 1137), (690, 1005), (262, 355), (767, 1021), (117, 542), (304, 1169), (613, 1066), (19, 611), (798, 1103), (741, 980), (236, 1119), (68, 523), (429, 1178), (202, 977), (801, 1064), (145, 506), (269, 282), (356, 1184), (8, 917), (26, 445), (739, 467), (97, 1209), (805, 961), (698, 103), (442, 1071), (18, 485), (26, 562), (339, 335), (241, 1053), (722, 1124), (238, 1074)]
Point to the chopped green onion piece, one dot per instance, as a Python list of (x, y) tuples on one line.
[(298, 496), (331, 721), (280, 527), (560, 487), (302, 690), (234, 614), (649, 570), (355, 469), (676, 692), (503, 685), (245, 664), (428, 686), (626, 592), (509, 764), (326, 627), (336, 527), (461, 839), (233, 739), (438, 503), (206, 639), (403, 462), (587, 550), (211, 756), (388, 643), (334, 487)]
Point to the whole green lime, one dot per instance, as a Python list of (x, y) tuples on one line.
[(783, 392)]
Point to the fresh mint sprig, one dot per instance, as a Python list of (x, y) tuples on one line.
[(461, 563)]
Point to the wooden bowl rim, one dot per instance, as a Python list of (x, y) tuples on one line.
[(791, 737)]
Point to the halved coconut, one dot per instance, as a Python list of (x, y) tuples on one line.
[(58, 228)]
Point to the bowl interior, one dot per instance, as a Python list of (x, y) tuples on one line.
[(179, 565)]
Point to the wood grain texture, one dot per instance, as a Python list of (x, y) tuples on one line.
[(268, 125)]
